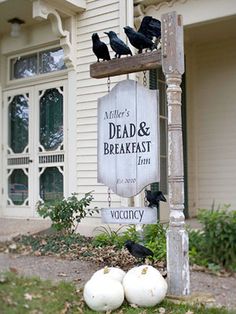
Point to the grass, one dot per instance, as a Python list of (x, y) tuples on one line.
[(21, 295)]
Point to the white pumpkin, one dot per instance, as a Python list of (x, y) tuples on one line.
[(144, 286), (109, 272), (103, 294)]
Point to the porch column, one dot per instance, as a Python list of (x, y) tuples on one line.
[(177, 237)]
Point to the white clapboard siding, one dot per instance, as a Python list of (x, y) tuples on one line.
[(100, 16), (212, 127)]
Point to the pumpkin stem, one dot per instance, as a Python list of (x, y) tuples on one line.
[(106, 270), (144, 270)]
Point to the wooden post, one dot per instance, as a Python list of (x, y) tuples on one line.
[(177, 237)]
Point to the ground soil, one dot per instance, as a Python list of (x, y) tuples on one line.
[(223, 289)]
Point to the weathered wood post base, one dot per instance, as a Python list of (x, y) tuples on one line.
[(177, 237)]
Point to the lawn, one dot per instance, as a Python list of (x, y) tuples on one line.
[(31, 295)]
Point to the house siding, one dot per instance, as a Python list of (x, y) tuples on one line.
[(212, 136), (100, 16)]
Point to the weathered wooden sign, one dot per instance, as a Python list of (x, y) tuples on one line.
[(129, 215), (128, 138)]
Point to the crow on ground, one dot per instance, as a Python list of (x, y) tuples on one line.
[(154, 198), (139, 40), (138, 250), (100, 48), (118, 45), (150, 27)]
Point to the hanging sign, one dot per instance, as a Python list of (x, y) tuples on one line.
[(128, 138), (129, 215)]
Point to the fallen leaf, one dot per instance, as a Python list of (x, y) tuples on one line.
[(134, 305), (13, 246), (28, 296), (13, 270), (3, 278), (66, 308), (189, 312), (62, 275)]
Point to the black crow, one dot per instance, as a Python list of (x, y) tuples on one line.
[(118, 45), (154, 198), (150, 27), (139, 40), (100, 48), (138, 250)]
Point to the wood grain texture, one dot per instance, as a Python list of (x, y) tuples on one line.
[(172, 43), (125, 65)]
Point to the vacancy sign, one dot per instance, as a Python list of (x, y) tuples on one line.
[(129, 215), (128, 138)]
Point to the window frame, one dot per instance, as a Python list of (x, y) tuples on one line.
[(34, 78)]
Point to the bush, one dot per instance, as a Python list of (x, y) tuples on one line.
[(66, 214), (216, 244), (107, 236), (154, 238)]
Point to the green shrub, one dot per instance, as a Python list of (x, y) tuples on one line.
[(107, 236), (66, 214), (216, 243), (196, 251), (154, 238), (219, 227)]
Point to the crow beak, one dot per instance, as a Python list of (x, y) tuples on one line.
[(106, 33), (163, 199)]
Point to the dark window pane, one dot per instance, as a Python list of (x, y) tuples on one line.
[(25, 66), (18, 187), (51, 184), (51, 119), (163, 174), (51, 60), (163, 136), (18, 122)]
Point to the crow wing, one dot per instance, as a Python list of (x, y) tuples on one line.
[(119, 46), (150, 27), (140, 251)]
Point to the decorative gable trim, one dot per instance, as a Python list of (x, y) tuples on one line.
[(43, 11)]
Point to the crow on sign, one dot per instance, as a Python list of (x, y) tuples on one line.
[(118, 45), (139, 40), (150, 27), (100, 48), (138, 250), (154, 198)]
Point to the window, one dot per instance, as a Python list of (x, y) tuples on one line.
[(157, 81), (40, 62)]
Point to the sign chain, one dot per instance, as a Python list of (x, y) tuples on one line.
[(109, 190), (145, 78), (108, 84), (145, 85), (109, 197)]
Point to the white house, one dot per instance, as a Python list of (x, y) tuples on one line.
[(48, 109)]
